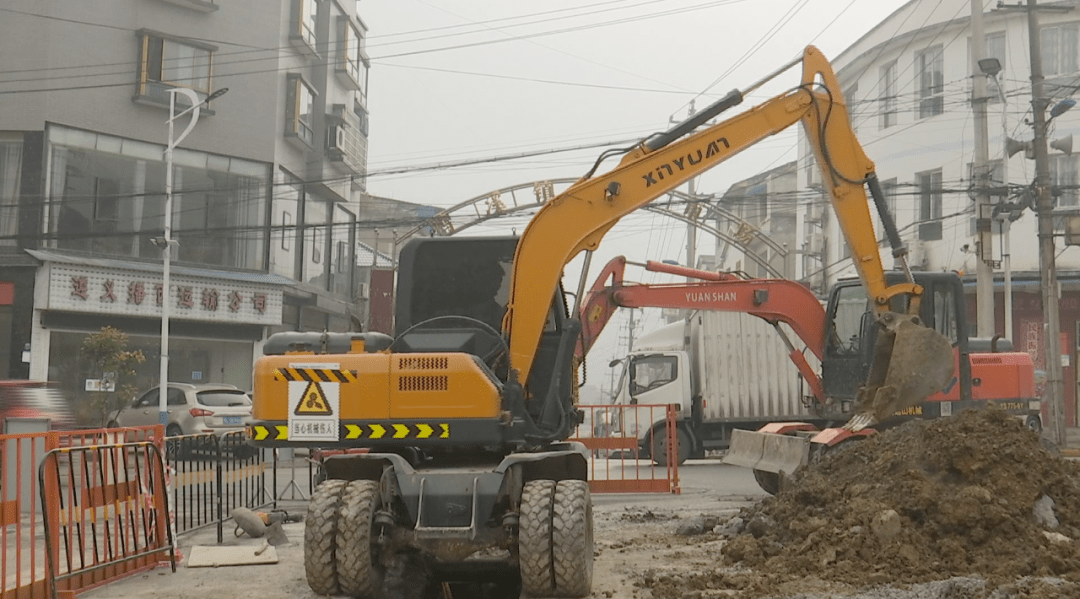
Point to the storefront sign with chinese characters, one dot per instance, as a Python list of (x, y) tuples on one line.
[(78, 288)]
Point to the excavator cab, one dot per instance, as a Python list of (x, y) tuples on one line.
[(853, 338), (452, 297)]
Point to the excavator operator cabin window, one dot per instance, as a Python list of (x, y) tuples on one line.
[(945, 312), (844, 335)]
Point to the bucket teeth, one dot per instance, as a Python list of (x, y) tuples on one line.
[(911, 363), (859, 422)]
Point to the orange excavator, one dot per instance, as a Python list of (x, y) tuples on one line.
[(838, 335)]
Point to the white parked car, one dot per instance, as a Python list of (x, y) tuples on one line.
[(193, 409)]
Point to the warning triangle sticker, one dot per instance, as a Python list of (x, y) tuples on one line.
[(313, 402)]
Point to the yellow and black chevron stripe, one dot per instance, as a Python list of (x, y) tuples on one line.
[(319, 375), (373, 431), (259, 432), (396, 430)]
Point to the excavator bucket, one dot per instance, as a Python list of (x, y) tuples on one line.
[(911, 363)]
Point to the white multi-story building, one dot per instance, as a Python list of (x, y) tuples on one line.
[(908, 85), (268, 187)]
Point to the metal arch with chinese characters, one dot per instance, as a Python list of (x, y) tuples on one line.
[(492, 205)]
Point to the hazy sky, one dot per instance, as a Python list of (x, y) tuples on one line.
[(458, 81)]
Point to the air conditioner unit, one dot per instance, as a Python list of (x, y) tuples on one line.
[(362, 291), (335, 138)]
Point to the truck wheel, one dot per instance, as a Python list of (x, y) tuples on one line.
[(659, 449), (768, 481), (535, 538), (320, 532), (572, 539), (357, 572), (1034, 423)]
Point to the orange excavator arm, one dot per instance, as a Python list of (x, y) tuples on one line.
[(773, 300)]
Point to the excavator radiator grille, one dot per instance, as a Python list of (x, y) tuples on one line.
[(423, 363), (423, 383)]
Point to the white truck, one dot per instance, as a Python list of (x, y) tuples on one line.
[(722, 371)]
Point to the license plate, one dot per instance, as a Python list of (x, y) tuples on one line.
[(234, 420)]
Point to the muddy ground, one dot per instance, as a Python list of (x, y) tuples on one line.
[(921, 512)]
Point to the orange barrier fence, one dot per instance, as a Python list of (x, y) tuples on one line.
[(106, 513), (24, 525), (629, 447)]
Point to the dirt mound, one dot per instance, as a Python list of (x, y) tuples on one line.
[(927, 500)]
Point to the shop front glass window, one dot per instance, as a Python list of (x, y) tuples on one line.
[(107, 197)]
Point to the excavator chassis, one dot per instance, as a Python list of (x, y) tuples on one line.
[(527, 517)]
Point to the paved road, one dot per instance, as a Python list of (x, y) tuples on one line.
[(707, 487), (698, 477)]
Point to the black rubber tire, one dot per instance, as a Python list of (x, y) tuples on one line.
[(768, 481), (358, 573), (659, 453), (535, 539), (320, 537), (572, 539), (174, 448), (1034, 423)]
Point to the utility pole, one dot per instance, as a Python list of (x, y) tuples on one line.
[(630, 342), (692, 211), (984, 272), (1048, 270)]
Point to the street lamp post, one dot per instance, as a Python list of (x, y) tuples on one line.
[(166, 241)]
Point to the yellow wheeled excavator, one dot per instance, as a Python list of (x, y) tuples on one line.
[(449, 437)]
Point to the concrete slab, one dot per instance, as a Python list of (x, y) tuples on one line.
[(204, 556)]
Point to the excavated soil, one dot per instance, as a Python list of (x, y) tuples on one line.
[(925, 501)]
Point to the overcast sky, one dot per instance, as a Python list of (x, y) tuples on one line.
[(456, 81)]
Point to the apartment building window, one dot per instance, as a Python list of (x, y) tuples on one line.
[(10, 181), (105, 197), (300, 110), (168, 62), (929, 205), (286, 225), (849, 98), (304, 25), (1059, 49), (352, 62), (995, 47), (362, 117), (343, 261), (287, 211), (929, 65), (1064, 178), (888, 95), (316, 226)]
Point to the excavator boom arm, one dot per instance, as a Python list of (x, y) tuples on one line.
[(577, 219)]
